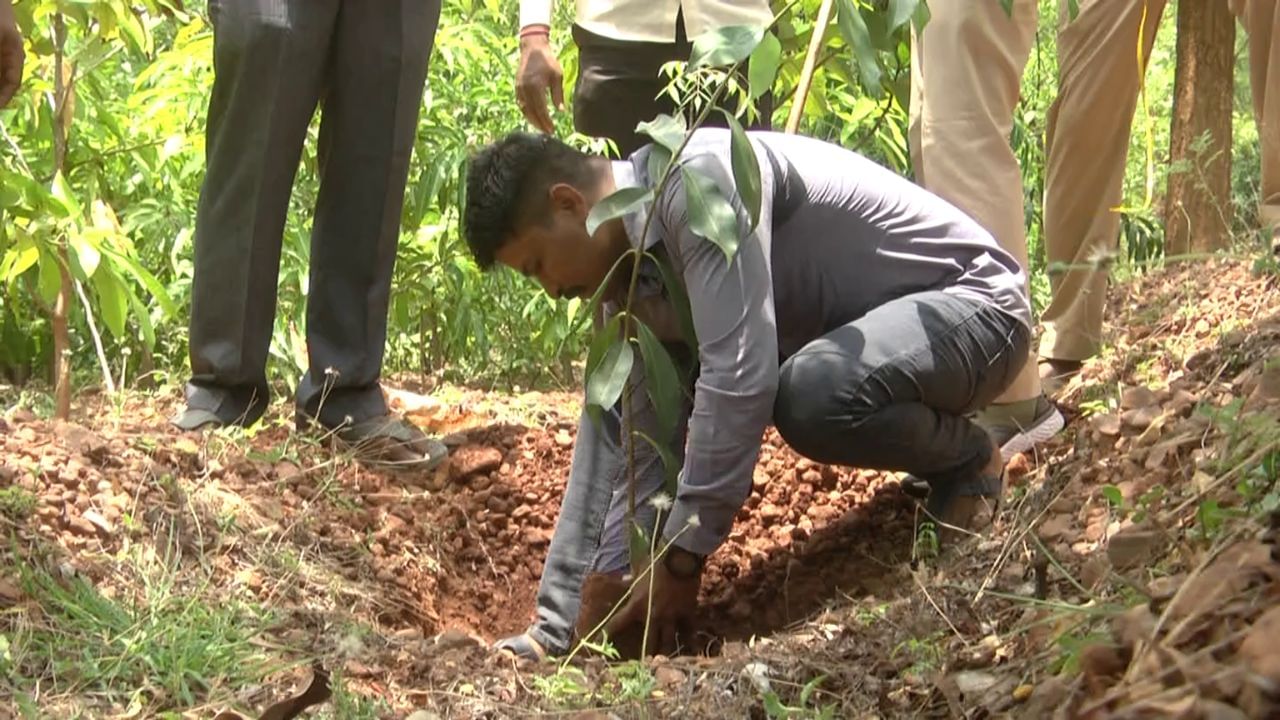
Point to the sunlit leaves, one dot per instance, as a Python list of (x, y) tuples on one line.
[(710, 214), (617, 204), (113, 302), (746, 169), (724, 46), (762, 70), (854, 30)]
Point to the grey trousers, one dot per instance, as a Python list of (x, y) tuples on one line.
[(365, 64)]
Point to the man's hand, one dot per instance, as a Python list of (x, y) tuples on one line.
[(539, 72), (11, 55), (674, 602)]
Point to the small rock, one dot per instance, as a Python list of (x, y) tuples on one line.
[(1106, 424), (474, 459), (422, 715), (972, 682), (1141, 418), (770, 511), (10, 593), (1261, 647), (1023, 692), (1055, 527), (668, 677), (1138, 397), (99, 521), (1132, 547), (81, 525), (452, 639), (563, 439), (287, 471)]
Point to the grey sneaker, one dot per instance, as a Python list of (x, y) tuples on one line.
[(1017, 435)]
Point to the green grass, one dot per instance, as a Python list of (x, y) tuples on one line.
[(169, 648), (16, 503)]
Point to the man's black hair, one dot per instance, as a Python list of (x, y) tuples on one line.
[(507, 184)]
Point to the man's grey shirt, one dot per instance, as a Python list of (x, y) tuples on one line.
[(838, 235)]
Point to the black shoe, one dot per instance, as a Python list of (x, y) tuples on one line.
[(214, 407)]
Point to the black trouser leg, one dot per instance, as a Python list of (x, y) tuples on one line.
[(368, 124), (269, 63), (890, 390)]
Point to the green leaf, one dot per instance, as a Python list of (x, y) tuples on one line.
[(605, 383), (24, 259), (85, 255), (659, 162), (710, 214), (113, 302), (763, 68), (1008, 7), (148, 281), (662, 380), (854, 30), (667, 131), (1073, 9), (616, 205), (638, 545), (65, 199), (670, 466), (144, 320), (746, 169), (900, 11), (724, 46), (1113, 495), (50, 278), (921, 16)]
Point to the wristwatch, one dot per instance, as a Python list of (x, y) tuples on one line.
[(683, 564)]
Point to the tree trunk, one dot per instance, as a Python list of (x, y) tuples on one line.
[(1198, 203), (62, 303)]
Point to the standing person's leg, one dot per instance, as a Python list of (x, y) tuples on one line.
[(1087, 146), (1261, 20), (966, 69), (269, 64), (891, 389), (368, 124)]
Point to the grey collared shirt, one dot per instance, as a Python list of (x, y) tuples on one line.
[(838, 235)]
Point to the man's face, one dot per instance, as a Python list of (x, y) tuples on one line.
[(559, 253)]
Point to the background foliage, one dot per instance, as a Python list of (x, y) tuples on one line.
[(123, 207)]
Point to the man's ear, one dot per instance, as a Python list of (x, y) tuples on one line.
[(566, 197)]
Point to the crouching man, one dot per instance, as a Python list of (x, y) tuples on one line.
[(863, 316)]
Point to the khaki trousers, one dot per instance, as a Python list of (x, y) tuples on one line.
[(1087, 145), (966, 71)]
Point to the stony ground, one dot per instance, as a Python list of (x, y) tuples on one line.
[(1128, 575)]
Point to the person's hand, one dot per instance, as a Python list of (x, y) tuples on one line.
[(11, 54), (539, 72), (674, 601)]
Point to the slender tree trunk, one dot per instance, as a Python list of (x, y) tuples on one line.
[(62, 303), (1198, 203)]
